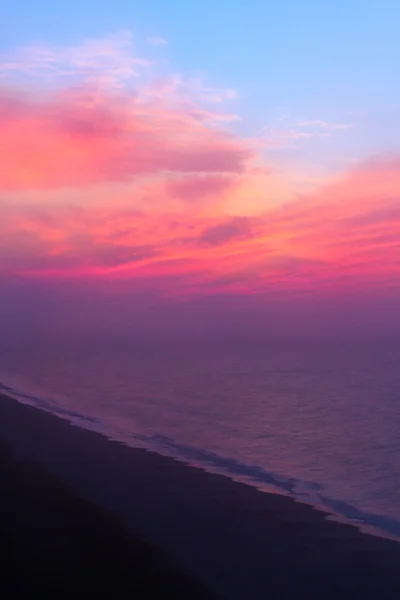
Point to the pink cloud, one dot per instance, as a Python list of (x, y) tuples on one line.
[(100, 183), (234, 228), (343, 236), (197, 186), (87, 137)]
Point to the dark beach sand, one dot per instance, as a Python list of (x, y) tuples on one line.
[(55, 544), (56, 526)]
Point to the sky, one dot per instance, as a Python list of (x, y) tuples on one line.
[(181, 168)]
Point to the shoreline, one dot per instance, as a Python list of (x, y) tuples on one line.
[(369, 522), (238, 541)]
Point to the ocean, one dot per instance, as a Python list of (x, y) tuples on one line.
[(316, 420)]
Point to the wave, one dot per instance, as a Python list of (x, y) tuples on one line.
[(42, 403), (307, 492)]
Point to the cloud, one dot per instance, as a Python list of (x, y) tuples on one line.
[(96, 113), (280, 138), (197, 186), (210, 95), (353, 224), (325, 125), (112, 59), (284, 138), (84, 136), (192, 93), (237, 228), (145, 185), (344, 235), (157, 41), (109, 63)]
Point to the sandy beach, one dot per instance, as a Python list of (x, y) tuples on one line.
[(56, 544), (80, 511)]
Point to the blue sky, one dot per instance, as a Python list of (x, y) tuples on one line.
[(341, 54), (288, 61)]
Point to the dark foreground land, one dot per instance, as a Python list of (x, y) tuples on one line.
[(56, 541), (54, 544)]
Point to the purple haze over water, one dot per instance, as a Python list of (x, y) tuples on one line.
[(319, 420)]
